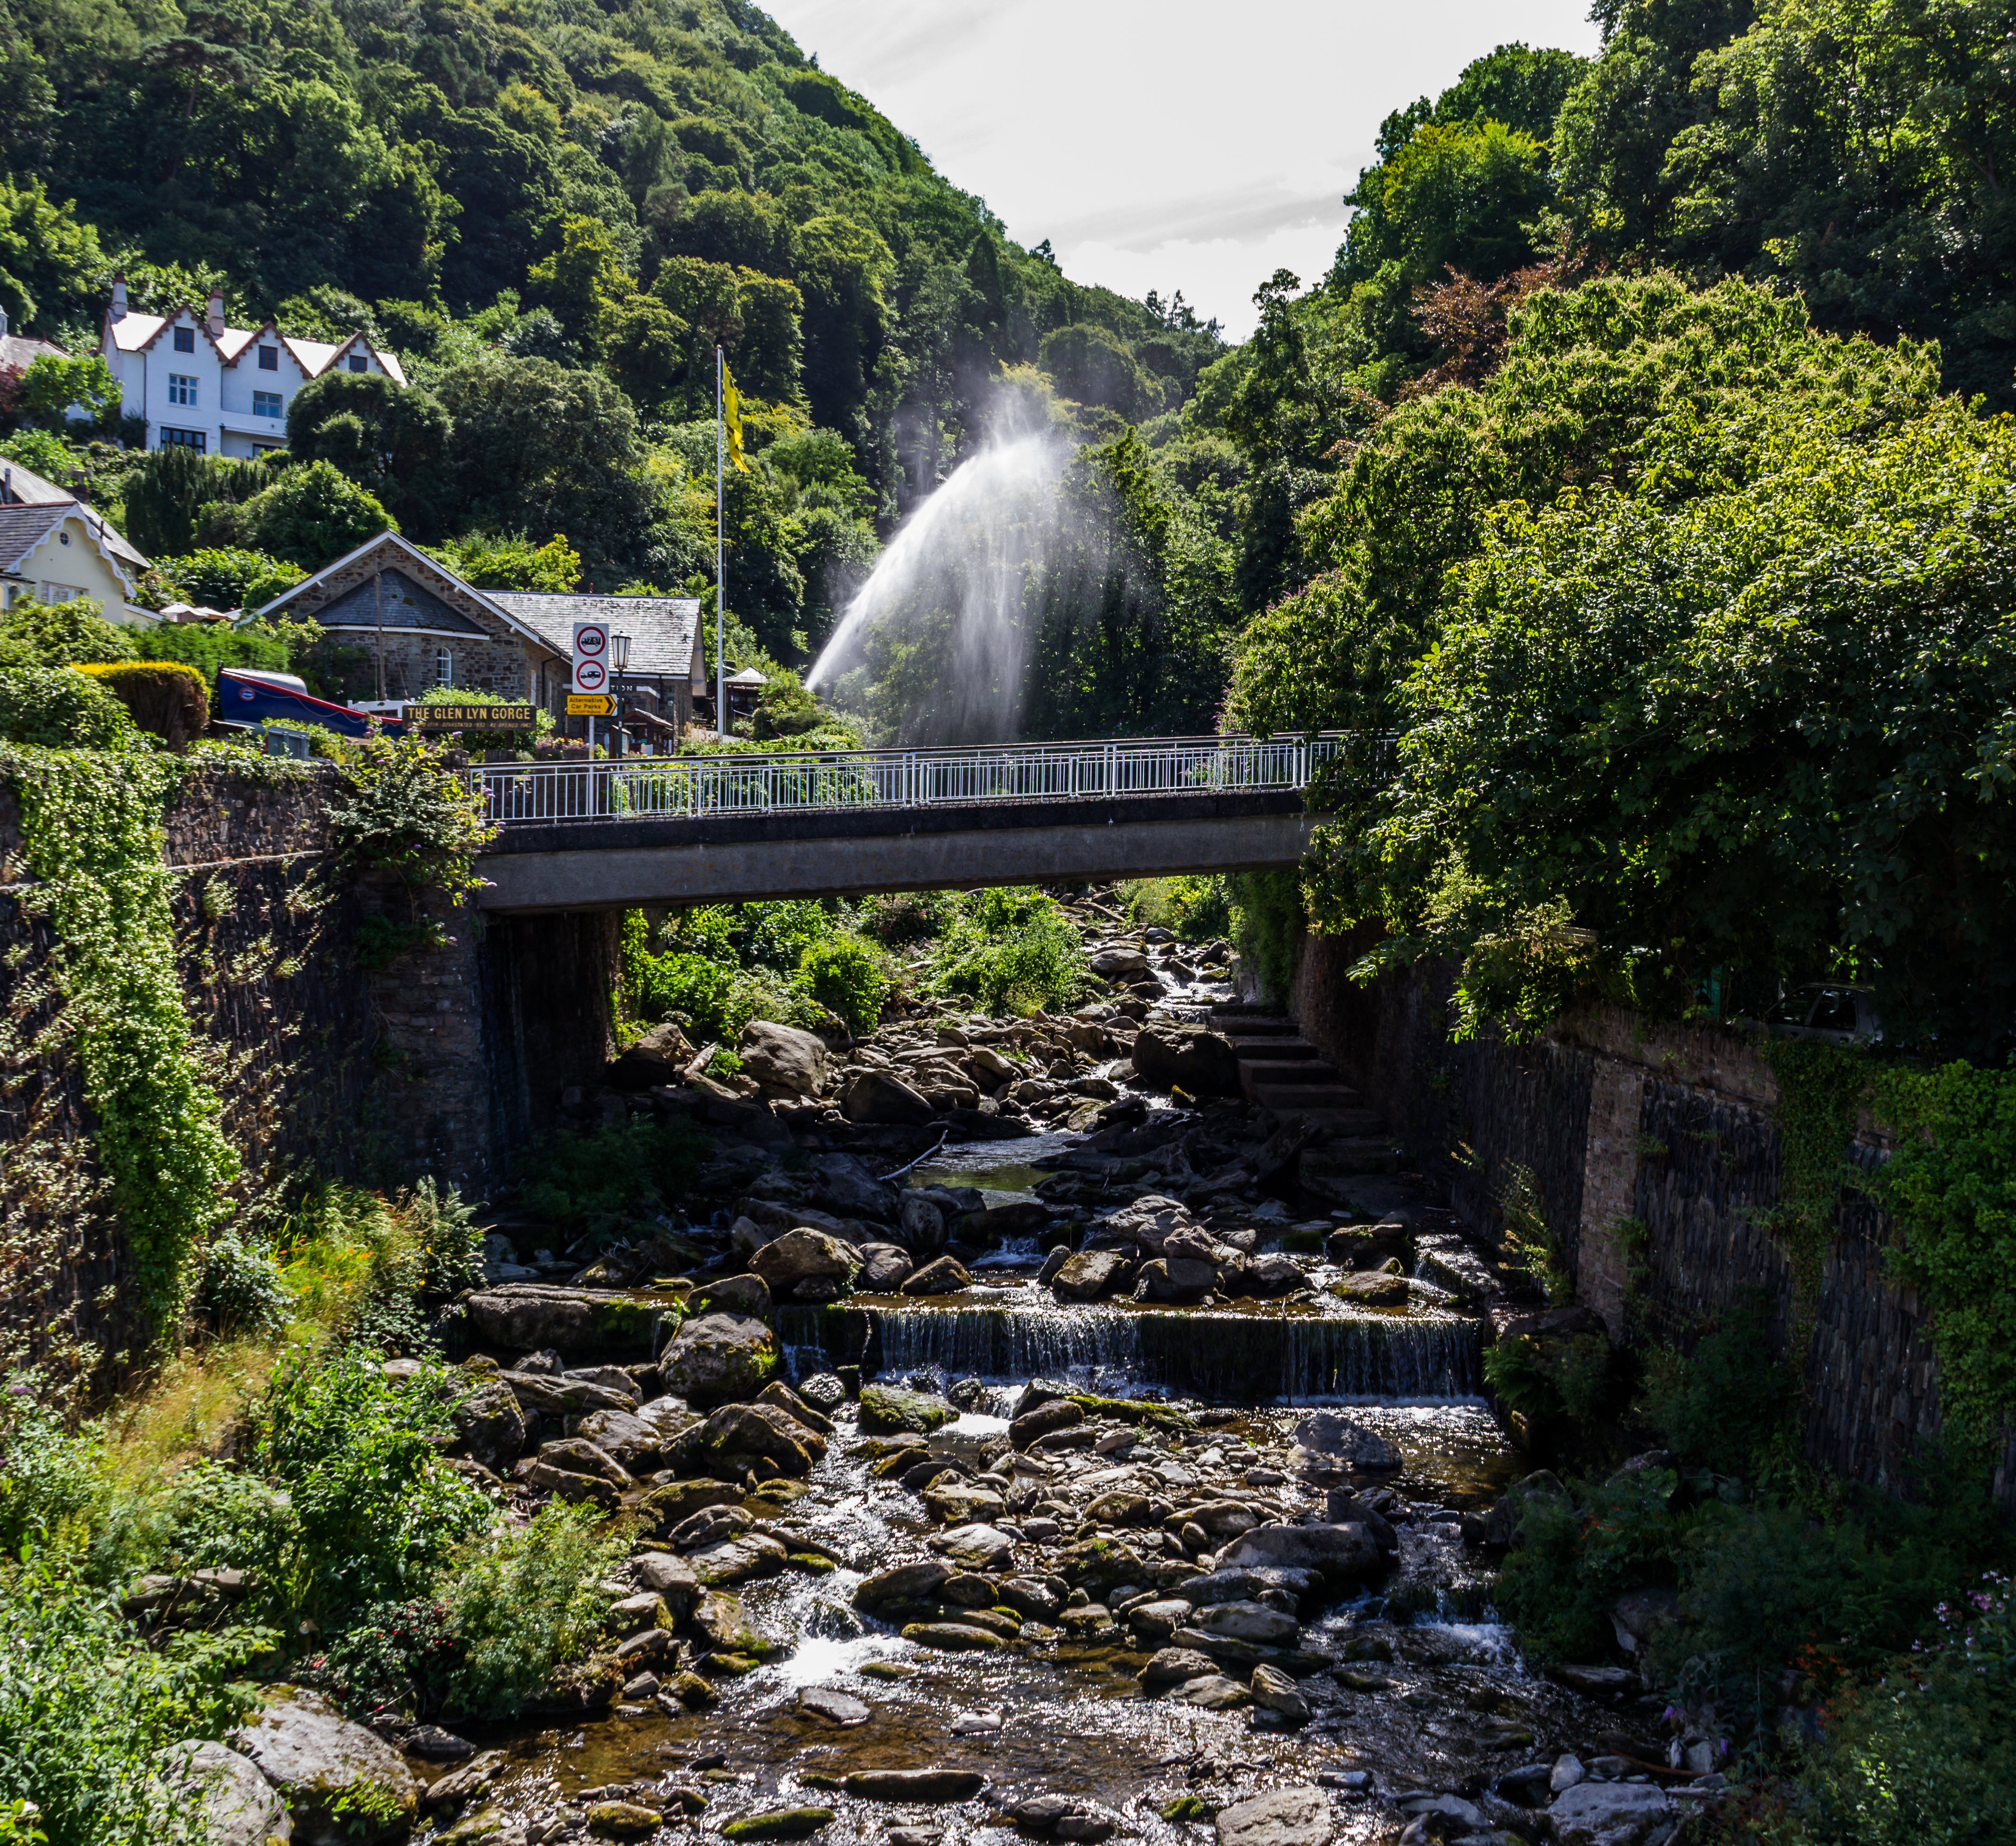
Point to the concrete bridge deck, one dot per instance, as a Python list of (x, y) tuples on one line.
[(699, 830)]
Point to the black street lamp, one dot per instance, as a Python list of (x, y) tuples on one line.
[(619, 654)]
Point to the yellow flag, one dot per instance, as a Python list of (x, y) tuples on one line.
[(731, 412)]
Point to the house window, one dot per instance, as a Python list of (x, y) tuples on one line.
[(444, 667), (57, 593), (359, 363), (185, 339), (194, 439), (265, 403), (269, 359), (181, 389)]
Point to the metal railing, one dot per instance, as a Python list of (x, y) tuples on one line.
[(684, 786)]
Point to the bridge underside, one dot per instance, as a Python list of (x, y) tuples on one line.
[(617, 864)]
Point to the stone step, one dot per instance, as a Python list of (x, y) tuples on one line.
[(1252, 1025), (1303, 1099), (1288, 1070), (1345, 1154), (1265, 1048)]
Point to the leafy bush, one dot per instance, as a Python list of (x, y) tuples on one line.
[(906, 916), (610, 1179), (225, 577), (268, 646), (238, 1288), (86, 1707), (1010, 950), (512, 562), (167, 698), (1266, 927), (61, 634), (310, 516), (519, 1604), (408, 812), (1197, 908), (1723, 1405), (847, 975), (58, 709), (393, 1661), (50, 1482)]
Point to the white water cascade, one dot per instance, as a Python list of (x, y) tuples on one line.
[(936, 638)]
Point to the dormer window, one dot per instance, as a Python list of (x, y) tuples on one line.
[(359, 363), (269, 359), (185, 339)]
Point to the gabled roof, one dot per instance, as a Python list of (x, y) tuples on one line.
[(316, 356), (136, 332), (402, 554), (391, 599), (661, 628), (24, 486), (23, 528), (24, 349)]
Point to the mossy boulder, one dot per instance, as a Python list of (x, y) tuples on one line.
[(887, 1408), (720, 1358)]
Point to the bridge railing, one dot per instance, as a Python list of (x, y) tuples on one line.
[(674, 786)]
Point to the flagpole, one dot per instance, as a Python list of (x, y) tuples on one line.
[(720, 564)]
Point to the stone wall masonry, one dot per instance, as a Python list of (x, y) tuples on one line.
[(1663, 1132)]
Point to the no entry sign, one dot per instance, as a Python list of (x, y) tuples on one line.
[(591, 657)]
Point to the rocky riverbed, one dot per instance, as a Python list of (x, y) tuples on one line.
[(1025, 1436)]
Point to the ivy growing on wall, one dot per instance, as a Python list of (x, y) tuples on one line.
[(92, 837), (1820, 1087)]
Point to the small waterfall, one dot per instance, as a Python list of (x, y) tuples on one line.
[(1225, 1357)]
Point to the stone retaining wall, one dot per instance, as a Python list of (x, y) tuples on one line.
[(1668, 1126)]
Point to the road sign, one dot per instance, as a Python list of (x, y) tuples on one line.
[(588, 704), (470, 717), (590, 676)]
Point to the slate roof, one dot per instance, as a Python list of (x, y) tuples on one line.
[(21, 528), (26, 486), (661, 628), (407, 605)]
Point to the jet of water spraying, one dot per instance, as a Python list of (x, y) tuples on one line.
[(935, 640)]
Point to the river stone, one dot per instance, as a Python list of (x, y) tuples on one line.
[(622, 1820), (781, 1058), (1346, 1553), (719, 1620), (960, 1502), (923, 1225), (1090, 1274), (1174, 1278), (313, 1755), (778, 1823), (1118, 959), (1148, 1221), (633, 1614), (1250, 1621), (835, 1706), (1331, 1433), (470, 1779), (1176, 1666), (1275, 1691), (883, 1266), (668, 1577), (239, 1807), (823, 1391), (1608, 1813), (1154, 1623), (886, 1409), (1268, 1277), (578, 1455), (657, 1057), (670, 1503), (735, 1294), (1167, 1055), (873, 1096), (635, 1444), (975, 1547), (954, 1637), (739, 1430), (542, 1394), (1045, 1419), (914, 1784), (1298, 1816), (795, 1406), (1248, 1584), (805, 1255), (490, 1426), (718, 1359), (903, 1583), (944, 1276), (523, 1316), (1373, 1288), (740, 1559), (1215, 1692)]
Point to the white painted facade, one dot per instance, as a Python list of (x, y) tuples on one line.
[(221, 389), (56, 552)]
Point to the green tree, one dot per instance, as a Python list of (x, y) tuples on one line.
[(48, 258), (310, 516), (390, 439)]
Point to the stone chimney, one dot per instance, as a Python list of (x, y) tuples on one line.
[(119, 298), (214, 320)]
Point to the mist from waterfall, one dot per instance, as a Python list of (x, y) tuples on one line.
[(935, 641)]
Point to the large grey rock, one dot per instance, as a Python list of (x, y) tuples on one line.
[(886, 1410), (1149, 1220), (671, 1578), (490, 1426), (1344, 1553), (1176, 1666), (783, 1060), (883, 1268), (875, 1096), (314, 1755), (802, 1256), (1275, 1691), (1331, 1433), (1167, 1055), (1298, 1816), (736, 1294), (923, 1225), (1090, 1274), (520, 1316), (639, 1445), (945, 1275), (1116, 961), (847, 1186), (657, 1057), (976, 1547), (1250, 1621), (736, 1434), (720, 1358), (1174, 1278), (1608, 1813), (239, 1807)]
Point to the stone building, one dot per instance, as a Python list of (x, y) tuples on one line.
[(398, 622)]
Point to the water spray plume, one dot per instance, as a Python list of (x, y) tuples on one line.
[(939, 633)]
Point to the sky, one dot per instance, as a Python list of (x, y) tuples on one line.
[(1163, 146)]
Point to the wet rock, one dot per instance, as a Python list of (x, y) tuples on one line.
[(802, 1256), (1214, 1692), (669, 1504), (1223, 1519), (238, 1806), (1298, 1816), (945, 1276), (1443, 1812), (1342, 1553), (1030, 1599), (1373, 1288), (903, 1583), (781, 1058), (539, 1477), (720, 1358), (578, 1455), (743, 1558), (1176, 1666), (691, 1692), (1341, 1507), (886, 1408), (959, 1503), (985, 1230), (314, 1756), (1063, 1817), (823, 1392), (915, 1836), (622, 1820), (735, 1294), (1567, 1772), (1193, 1058), (978, 1724), (471, 1779), (718, 1619), (954, 1637), (1046, 1419), (1174, 1278), (635, 1445), (1148, 1222), (646, 1649), (1608, 1813), (1117, 962), (1332, 1434), (883, 1268), (659, 1057), (1275, 1691), (778, 1823), (875, 1096), (835, 1706), (976, 1547), (1154, 1623), (737, 1432), (1090, 1274), (1118, 1508), (847, 1186), (776, 1392), (632, 1614), (914, 1784), (1250, 1621), (490, 1426), (519, 1315), (922, 1224)]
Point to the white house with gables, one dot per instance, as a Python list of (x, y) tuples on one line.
[(220, 389)]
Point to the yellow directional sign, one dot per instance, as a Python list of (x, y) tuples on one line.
[(587, 704)]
